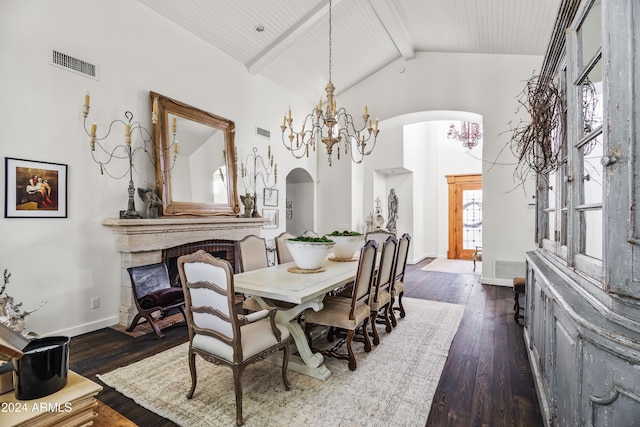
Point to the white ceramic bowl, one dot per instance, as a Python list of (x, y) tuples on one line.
[(346, 246), (309, 255)]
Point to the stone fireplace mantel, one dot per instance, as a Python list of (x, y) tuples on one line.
[(141, 242)]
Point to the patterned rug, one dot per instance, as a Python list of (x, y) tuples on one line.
[(393, 385), (457, 266)]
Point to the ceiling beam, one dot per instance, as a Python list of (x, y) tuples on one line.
[(289, 37), (392, 22)]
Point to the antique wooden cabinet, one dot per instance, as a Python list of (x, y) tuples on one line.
[(582, 318)]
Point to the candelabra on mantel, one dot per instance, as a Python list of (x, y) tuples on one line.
[(253, 168), (125, 151)]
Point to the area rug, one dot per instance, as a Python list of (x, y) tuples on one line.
[(457, 266), (392, 385)]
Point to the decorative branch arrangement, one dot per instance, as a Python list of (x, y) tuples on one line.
[(11, 313), (536, 144)]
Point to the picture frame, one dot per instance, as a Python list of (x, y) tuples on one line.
[(289, 204), (289, 214), (35, 189), (272, 216), (270, 197)]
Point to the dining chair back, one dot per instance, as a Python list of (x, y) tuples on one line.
[(253, 253), (216, 332), (380, 300), (380, 236), (397, 291), (152, 293), (309, 233), (282, 251), (349, 314)]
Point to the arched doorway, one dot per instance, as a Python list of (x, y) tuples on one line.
[(300, 202)]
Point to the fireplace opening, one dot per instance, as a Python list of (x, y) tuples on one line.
[(223, 249)]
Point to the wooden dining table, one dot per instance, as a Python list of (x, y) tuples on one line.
[(303, 290)]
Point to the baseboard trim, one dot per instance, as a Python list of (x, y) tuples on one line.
[(87, 327), (497, 282)]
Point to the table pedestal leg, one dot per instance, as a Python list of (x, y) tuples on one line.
[(305, 362)]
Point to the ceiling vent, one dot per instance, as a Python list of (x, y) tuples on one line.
[(263, 133), (76, 65)]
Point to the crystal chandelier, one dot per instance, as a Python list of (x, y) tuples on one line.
[(470, 134), (331, 127)]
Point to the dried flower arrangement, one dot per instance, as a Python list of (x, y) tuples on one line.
[(11, 313)]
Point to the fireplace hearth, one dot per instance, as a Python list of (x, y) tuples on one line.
[(147, 241)]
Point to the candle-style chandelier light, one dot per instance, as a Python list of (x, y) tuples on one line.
[(470, 134), (331, 127)]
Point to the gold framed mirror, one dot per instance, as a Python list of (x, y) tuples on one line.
[(195, 154)]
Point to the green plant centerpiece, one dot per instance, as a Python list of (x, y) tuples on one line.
[(309, 252), (346, 243)]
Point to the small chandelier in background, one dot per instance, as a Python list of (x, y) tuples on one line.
[(470, 134), (332, 127)]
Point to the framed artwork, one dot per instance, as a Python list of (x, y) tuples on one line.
[(270, 197), (35, 189), (289, 204), (272, 216), (289, 213)]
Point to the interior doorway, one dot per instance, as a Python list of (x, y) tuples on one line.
[(300, 202), (465, 215)]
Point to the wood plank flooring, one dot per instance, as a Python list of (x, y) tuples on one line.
[(486, 380)]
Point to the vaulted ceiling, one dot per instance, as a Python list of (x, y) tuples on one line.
[(293, 48)]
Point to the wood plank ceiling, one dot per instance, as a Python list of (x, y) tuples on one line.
[(293, 49)]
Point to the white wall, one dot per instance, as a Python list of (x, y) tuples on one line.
[(69, 261), (487, 85)]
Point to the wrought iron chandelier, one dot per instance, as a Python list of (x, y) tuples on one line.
[(331, 127), (470, 134)]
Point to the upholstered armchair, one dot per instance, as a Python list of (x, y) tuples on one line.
[(216, 332), (380, 300), (152, 293), (351, 314)]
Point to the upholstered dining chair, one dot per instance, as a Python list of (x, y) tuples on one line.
[(309, 233), (380, 300), (380, 236), (253, 253), (397, 291), (282, 251), (350, 314), (152, 293), (217, 332)]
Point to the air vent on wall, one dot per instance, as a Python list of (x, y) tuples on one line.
[(263, 133), (76, 65)]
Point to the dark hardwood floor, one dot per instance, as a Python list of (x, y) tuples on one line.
[(487, 380)]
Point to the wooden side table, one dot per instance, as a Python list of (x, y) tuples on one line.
[(72, 406)]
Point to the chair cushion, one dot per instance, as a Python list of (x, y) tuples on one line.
[(398, 288), (162, 298), (336, 313), (383, 299), (256, 337)]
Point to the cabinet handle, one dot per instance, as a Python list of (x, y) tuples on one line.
[(608, 160)]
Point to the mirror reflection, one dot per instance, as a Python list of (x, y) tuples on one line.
[(196, 152), (200, 172)]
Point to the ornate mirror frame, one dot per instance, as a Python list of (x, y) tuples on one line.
[(164, 157)]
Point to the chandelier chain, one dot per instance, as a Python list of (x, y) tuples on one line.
[(330, 41)]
